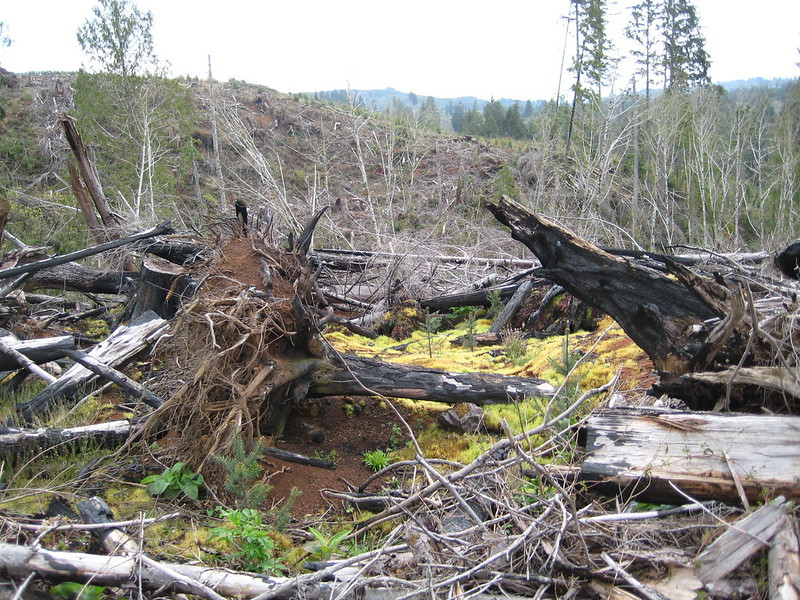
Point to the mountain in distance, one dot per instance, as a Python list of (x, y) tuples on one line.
[(381, 100)]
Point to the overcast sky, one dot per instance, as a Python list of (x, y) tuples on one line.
[(443, 48)]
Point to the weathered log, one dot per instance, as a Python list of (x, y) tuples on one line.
[(161, 288), (368, 376), (162, 229), (473, 298), (39, 351), (748, 535), (644, 453), (658, 313), (512, 306), (25, 362), (16, 440), (788, 259), (709, 390), (123, 344), (298, 458), (77, 278), (175, 251), (784, 562), (127, 384), (95, 511)]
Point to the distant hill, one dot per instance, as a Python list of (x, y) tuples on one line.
[(383, 99)]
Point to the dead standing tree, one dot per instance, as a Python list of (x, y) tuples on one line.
[(688, 324)]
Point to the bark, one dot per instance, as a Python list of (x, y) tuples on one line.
[(658, 313), (77, 278), (16, 440), (511, 307), (39, 351), (161, 289), (368, 376), (643, 453), (784, 562), (178, 252), (162, 229), (122, 345), (472, 298)]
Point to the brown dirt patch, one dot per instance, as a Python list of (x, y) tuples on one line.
[(346, 436)]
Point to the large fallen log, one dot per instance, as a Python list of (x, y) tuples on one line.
[(16, 440), (77, 278), (652, 454), (123, 344), (162, 229), (658, 313), (368, 376)]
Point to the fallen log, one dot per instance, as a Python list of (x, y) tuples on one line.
[(369, 376), (77, 278), (512, 306), (472, 298), (17, 440), (123, 344), (784, 561), (651, 454), (39, 351), (162, 229), (658, 313)]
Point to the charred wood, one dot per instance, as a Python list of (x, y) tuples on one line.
[(39, 351), (368, 376)]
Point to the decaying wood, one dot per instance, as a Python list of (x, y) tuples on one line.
[(658, 313), (78, 278), (512, 306), (16, 440), (162, 229), (367, 376), (784, 562), (643, 453), (124, 343), (25, 362), (40, 351), (135, 389), (746, 536), (470, 298), (298, 458), (161, 288), (94, 511)]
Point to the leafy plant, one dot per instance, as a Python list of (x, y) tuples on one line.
[(376, 459), (246, 533), (323, 547), (71, 590), (458, 313), (243, 473), (395, 436), (175, 480), (430, 327)]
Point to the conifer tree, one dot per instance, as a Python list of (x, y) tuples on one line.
[(686, 61)]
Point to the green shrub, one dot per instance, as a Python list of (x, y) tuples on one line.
[(243, 473), (376, 459), (254, 546), (175, 480)]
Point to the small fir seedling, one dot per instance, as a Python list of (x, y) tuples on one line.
[(243, 473), (471, 337), (496, 304), (430, 327)]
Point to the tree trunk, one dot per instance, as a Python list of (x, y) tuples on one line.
[(420, 383), (161, 289), (707, 456), (16, 440), (77, 278), (658, 313), (39, 351)]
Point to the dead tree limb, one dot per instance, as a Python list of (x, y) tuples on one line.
[(420, 383), (127, 384), (77, 278), (16, 440), (162, 229)]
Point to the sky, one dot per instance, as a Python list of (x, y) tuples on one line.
[(443, 48)]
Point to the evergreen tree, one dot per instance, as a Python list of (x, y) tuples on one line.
[(119, 38), (686, 61), (458, 117), (493, 116), (429, 113), (513, 124), (527, 113), (643, 31)]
